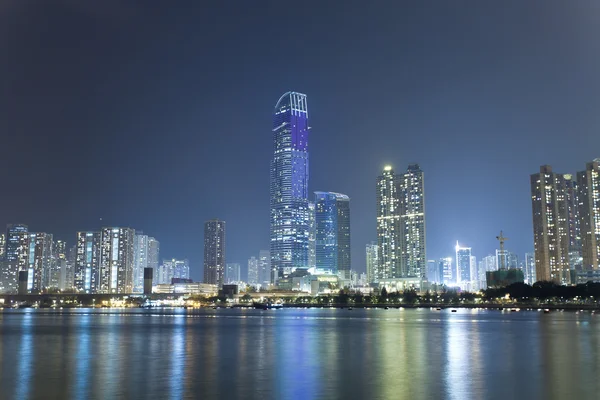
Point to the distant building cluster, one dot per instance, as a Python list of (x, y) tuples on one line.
[(110, 260), (566, 224)]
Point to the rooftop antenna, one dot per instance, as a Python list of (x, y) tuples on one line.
[(502, 239)]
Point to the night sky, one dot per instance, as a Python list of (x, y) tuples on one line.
[(159, 117)]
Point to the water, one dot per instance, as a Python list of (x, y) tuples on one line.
[(298, 354)]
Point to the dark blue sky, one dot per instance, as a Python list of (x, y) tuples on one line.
[(158, 117)]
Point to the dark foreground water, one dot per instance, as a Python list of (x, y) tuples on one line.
[(298, 354)]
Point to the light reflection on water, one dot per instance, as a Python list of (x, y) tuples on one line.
[(298, 354)]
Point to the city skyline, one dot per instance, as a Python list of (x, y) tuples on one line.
[(161, 143)]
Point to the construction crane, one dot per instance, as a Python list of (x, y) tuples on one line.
[(502, 239)]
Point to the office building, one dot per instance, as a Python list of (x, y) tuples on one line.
[(372, 262), (411, 192), (506, 259), (214, 252), (253, 271), (17, 240), (264, 268), (232, 273), (448, 273), (87, 262), (550, 226), (116, 260), (389, 233), (588, 182), (463, 266), (332, 220), (173, 269), (433, 272), (290, 214)]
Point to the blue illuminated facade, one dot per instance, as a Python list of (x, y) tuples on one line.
[(332, 225), (289, 186)]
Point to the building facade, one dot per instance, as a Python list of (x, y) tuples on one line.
[(116, 260), (15, 260), (253, 271), (39, 260), (173, 268), (529, 271), (87, 262), (214, 252), (232, 273), (372, 262), (463, 265), (550, 226), (389, 234), (290, 217), (411, 191), (332, 221), (140, 261), (264, 268), (588, 182)]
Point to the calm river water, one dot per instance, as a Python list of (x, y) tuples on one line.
[(298, 354)]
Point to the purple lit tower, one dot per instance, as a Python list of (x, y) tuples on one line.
[(289, 186)]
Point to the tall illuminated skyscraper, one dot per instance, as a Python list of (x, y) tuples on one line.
[(589, 214), (289, 186), (389, 233), (116, 260), (87, 262), (16, 253), (550, 226), (2, 245), (411, 191), (448, 273), (332, 218), (214, 252), (312, 232), (372, 262), (463, 265)]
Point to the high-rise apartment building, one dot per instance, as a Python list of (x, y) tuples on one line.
[(588, 182), (232, 273), (332, 217), (87, 262), (389, 234), (253, 271), (506, 259), (372, 262), (16, 257), (550, 226), (39, 260), (145, 255), (411, 192), (58, 267), (116, 260), (214, 252), (140, 261), (290, 217), (153, 254), (572, 198), (487, 264)]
